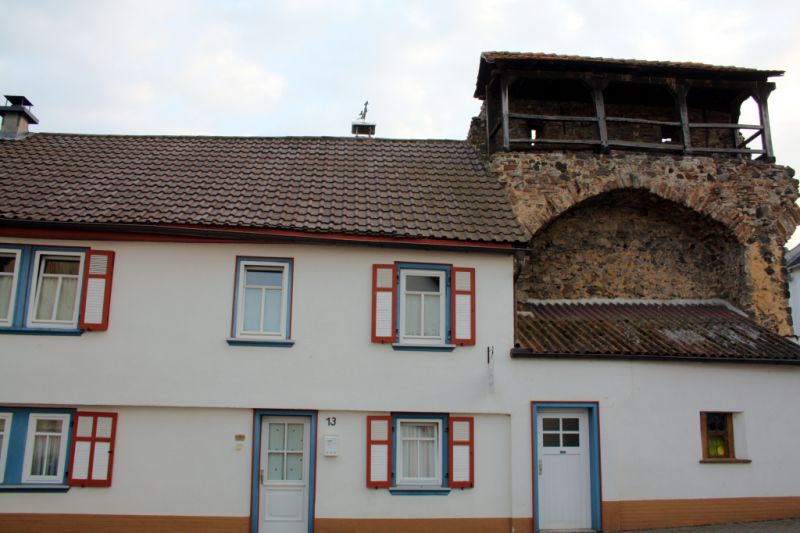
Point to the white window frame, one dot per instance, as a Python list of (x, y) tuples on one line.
[(4, 448), (27, 477), (240, 290), (35, 286), (435, 481), (423, 339), (14, 285)]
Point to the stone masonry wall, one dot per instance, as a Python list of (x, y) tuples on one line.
[(694, 227)]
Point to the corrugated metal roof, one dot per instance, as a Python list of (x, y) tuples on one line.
[(709, 331), (429, 189)]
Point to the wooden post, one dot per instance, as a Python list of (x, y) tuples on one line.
[(681, 90), (504, 103), (597, 85), (761, 96)]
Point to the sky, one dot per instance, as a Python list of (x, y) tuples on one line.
[(305, 67)]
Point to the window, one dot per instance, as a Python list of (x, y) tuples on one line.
[(420, 452), (9, 274), (263, 299), (435, 305), (717, 432), (54, 299), (5, 429), (60, 290), (51, 449), (45, 448)]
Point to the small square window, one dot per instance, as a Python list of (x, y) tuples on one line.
[(55, 294), (422, 306), (718, 430), (263, 299)]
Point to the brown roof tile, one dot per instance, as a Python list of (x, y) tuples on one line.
[(709, 331), (378, 187)]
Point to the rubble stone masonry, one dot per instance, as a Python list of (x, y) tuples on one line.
[(647, 225)]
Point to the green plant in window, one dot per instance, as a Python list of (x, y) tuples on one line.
[(716, 447)]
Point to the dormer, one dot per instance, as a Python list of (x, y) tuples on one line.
[(536, 102)]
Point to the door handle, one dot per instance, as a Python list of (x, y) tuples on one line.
[(540, 467)]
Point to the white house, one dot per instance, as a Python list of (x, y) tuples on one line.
[(327, 334)]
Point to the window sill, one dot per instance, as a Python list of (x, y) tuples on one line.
[(277, 343), (722, 461), (42, 331), (419, 491), (34, 488), (423, 347)]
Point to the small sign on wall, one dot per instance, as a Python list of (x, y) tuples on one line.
[(330, 447)]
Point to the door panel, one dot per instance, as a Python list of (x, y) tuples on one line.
[(283, 478), (564, 481)]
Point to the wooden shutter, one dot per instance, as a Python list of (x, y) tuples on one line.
[(92, 455), (96, 298), (379, 451), (463, 306), (462, 452), (384, 300)]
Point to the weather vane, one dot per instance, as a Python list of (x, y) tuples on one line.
[(363, 114)]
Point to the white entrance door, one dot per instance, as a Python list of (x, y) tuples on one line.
[(283, 477), (564, 488)]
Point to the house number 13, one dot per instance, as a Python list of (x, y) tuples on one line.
[(331, 420)]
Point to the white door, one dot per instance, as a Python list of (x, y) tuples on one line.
[(283, 476), (564, 488)]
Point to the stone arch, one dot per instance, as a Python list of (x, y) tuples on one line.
[(632, 243)]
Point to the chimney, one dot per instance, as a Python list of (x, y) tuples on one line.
[(16, 114)]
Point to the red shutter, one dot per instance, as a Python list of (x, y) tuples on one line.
[(384, 303), (462, 452), (92, 453), (96, 298), (463, 306), (379, 452)]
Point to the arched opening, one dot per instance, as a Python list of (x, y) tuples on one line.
[(630, 243)]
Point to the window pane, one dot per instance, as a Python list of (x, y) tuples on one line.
[(294, 466), (252, 309), (5, 296), (49, 426), (717, 447), (551, 424), (410, 467), (569, 424), (66, 303), (272, 310), (422, 283), (7, 263), (2, 424), (413, 314), (550, 440), (53, 444), (294, 437), (411, 430), (716, 421), (276, 436), (275, 466), (264, 278), (571, 439), (431, 326), (46, 299), (61, 266)]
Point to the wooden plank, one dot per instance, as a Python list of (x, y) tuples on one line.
[(554, 141), (558, 118), (747, 141), (495, 128), (650, 146), (728, 151), (762, 95), (487, 119), (724, 125), (643, 121), (504, 104), (681, 90)]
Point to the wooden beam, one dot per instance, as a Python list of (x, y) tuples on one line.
[(642, 121), (728, 151), (681, 90), (486, 118), (554, 141), (671, 81), (724, 125), (649, 146), (747, 141), (504, 104), (761, 96), (596, 86), (558, 118)]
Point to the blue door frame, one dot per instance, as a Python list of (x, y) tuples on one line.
[(312, 467), (594, 456)]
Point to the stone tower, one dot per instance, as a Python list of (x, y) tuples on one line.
[(636, 180)]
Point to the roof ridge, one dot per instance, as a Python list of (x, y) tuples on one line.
[(246, 137)]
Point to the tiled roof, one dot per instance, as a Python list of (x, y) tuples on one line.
[(430, 189), (606, 64), (709, 331)]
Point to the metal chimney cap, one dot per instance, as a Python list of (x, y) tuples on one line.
[(18, 100)]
